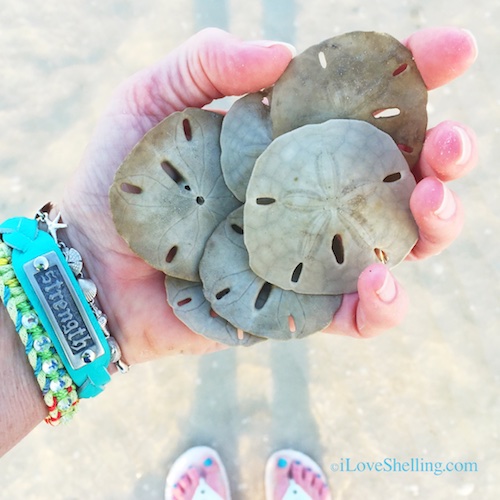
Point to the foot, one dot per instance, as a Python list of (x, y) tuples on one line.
[(293, 475), (198, 474)]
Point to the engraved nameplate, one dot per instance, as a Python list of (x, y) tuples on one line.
[(64, 309)]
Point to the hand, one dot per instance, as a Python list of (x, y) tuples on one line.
[(210, 65)]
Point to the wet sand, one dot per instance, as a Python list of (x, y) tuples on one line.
[(428, 390)]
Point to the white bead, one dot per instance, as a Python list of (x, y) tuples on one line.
[(41, 343), (29, 320), (49, 366)]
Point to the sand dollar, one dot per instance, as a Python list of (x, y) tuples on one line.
[(169, 194), (251, 303), (325, 201), (190, 305), (361, 75), (246, 133)]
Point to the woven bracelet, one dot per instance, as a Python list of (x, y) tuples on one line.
[(58, 390)]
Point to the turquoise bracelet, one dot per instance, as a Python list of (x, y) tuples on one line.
[(58, 390), (51, 276)]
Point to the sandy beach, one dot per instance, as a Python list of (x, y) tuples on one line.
[(428, 390)]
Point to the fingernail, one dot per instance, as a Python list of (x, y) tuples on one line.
[(387, 292), (282, 463), (474, 42), (272, 43), (448, 206), (208, 462), (466, 146)]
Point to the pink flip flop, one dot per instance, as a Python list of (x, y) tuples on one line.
[(197, 457), (283, 458)]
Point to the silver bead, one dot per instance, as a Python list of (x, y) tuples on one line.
[(57, 384), (50, 366), (29, 320), (102, 320), (41, 343), (116, 352), (89, 289), (74, 260)]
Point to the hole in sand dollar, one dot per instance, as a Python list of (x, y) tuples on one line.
[(222, 293), (185, 301), (381, 255), (291, 324), (400, 69), (213, 314), (396, 176), (265, 101), (265, 201), (171, 254), (297, 272), (405, 148), (172, 172), (322, 60), (188, 133), (200, 200), (130, 188), (237, 229), (338, 248), (263, 296), (386, 113)]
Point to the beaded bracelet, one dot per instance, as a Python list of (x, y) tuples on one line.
[(58, 390)]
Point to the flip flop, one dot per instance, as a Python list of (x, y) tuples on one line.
[(195, 457), (294, 491)]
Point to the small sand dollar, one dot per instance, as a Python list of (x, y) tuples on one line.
[(325, 201), (251, 303), (190, 305), (246, 133), (169, 194), (360, 75)]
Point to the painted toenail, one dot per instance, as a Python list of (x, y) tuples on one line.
[(282, 463), (297, 462), (208, 462)]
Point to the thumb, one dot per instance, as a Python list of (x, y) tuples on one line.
[(209, 65)]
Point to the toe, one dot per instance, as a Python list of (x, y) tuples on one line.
[(281, 477)]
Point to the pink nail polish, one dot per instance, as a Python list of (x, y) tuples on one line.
[(448, 206), (466, 146), (387, 292), (474, 43), (271, 43)]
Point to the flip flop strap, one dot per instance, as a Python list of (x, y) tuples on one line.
[(204, 492), (295, 492)]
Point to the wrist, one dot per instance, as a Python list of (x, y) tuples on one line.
[(23, 407), (63, 329)]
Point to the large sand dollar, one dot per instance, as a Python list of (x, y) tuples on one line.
[(251, 303), (169, 194), (325, 201), (360, 75)]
